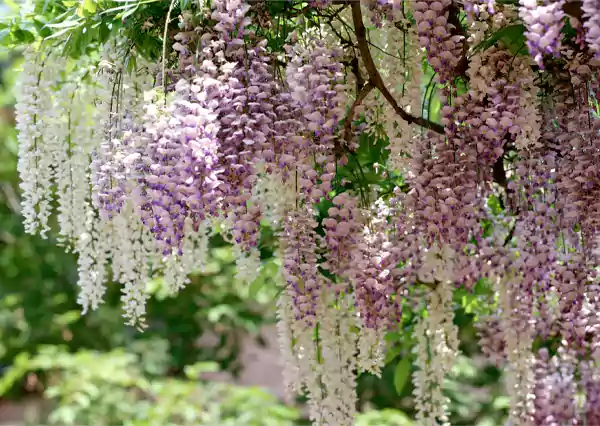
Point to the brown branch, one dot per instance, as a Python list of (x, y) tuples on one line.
[(355, 66), (375, 78), (431, 286), (298, 12), (362, 94), (498, 172), (573, 8)]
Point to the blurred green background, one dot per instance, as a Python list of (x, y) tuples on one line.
[(92, 370)]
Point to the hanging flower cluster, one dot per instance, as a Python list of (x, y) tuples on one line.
[(497, 139)]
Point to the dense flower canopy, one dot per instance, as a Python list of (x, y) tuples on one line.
[(488, 176)]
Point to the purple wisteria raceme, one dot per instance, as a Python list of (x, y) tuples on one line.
[(591, 15), (380, 10), (377, 294), (473, 8), (177, 170), (314, 77), (555, 389), (247, 116), (437, 35), (536, 232), (543, 26), (111, 158), (590, 384)]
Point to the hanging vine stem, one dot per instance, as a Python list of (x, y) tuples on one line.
[(164, 48)]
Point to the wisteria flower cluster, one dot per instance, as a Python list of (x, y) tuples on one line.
[(233, 132)]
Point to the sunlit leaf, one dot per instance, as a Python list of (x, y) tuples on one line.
[(402, 373)]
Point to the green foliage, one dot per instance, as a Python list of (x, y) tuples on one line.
[(512, 36), (384, 418), (38, 305), (81, 26), (474, 387), (38, 290), (122, 388)]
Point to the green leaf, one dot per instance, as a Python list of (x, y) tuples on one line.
[(41, 28), (129, 13), (90, 6), (59, 33), (392, 353), (513, 36), (501, 403), (435, 106), (402, 373), (14, 6), (275, 7), (67, 318), (103, 33), (86, 8), (494, 205), (66, 24), (23, 36), (19, 368), (194, 371), (215, 314), (5, 38), (255, 288)]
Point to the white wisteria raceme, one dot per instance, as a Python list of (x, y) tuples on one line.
[(398, 150), (38, 137), (436, 349)]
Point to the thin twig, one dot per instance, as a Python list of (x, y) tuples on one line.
[(164, 47)]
